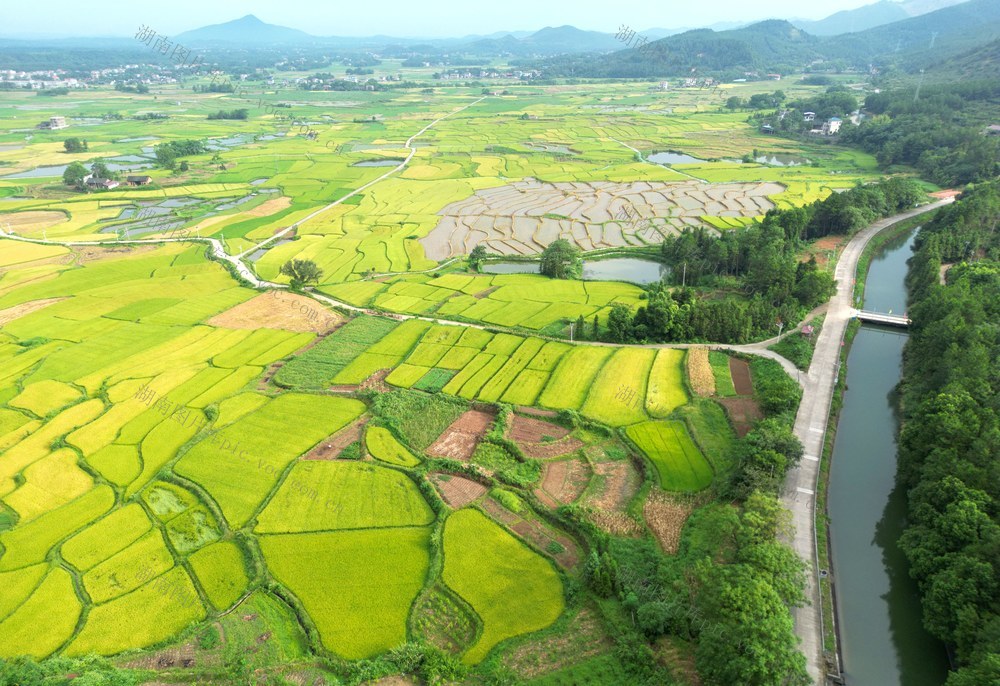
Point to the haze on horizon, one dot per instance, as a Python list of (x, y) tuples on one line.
[(400, 18)]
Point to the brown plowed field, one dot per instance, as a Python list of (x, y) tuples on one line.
[(459, 440), (743, 412), (330, 448), (529, 433), (279, 310), (537, 533), (537, 412), (740, 371), (608, 502), (529, 430), (11, 313), (665, 518), (583, 638), (563, 481), (457, 491)]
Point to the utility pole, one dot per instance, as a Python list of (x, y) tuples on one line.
[(684, 276), (571, 327), (919, 85)]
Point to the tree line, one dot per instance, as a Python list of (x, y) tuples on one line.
[(948, 457), (756, 281), (938, 130)]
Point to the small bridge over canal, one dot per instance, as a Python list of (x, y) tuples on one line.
[(899, 321)]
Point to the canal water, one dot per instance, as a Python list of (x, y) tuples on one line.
[(883, 642)]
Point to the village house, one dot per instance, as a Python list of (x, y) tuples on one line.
[(808, 116), (993, 130), (92, 181), (832, 126), (54, 123), (138, 180)]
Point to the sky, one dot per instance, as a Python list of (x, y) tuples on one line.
[(404, 18)]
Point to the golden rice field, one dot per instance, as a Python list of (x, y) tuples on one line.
[(179, 451)]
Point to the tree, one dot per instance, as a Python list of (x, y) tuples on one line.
[(580, 325), (620, 323), (561, 260), (476, 257), (101, 171), (73, 176), (75, 145), (734, 103), (184, 166), (596, 330), (301, 273)]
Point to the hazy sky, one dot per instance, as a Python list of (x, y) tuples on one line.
[(431, 18)]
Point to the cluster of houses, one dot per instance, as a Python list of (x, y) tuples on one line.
[(91, 181), (831, 127)]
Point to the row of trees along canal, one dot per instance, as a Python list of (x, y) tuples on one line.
[(948, 448), (736, 286)]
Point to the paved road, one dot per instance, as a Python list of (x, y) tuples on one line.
[(810, 426), (810, 423)]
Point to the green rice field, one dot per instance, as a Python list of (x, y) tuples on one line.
[(190, 460)]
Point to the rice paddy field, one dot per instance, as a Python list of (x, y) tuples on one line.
[(179, 453)]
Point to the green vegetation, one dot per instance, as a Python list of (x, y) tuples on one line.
[(946, 459), (384, 446), (513, 590), (301, 273), (724, 387), (416, 417), (329, 496), (561, 260), (679, 463), (317, 367), (155, 416), (377, 573), (798, 348)]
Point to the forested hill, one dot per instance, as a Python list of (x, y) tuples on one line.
[(781, 47), (982, 62), (949, 460)]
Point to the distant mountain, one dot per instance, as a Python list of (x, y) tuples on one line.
[(656, 33), (780, 46), (850, 21), (571, 39), (870, 16), (764, 45), (247, 30), (925, 39)]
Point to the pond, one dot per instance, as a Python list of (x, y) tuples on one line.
[(379, 163), (632, 269), (673, 158), (782, 160), (38, 172)]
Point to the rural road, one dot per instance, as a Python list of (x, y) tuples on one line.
[(810, 423), (400, 167), (799, 495)]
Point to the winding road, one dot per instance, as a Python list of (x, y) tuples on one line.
[(799, 494)]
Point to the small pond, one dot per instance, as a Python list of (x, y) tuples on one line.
[(781, 160), (673, 158), (632, 269), (379, 163)]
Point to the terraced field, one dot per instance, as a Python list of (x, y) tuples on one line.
[(156, 413), (523, 218)]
